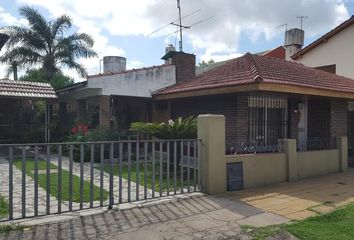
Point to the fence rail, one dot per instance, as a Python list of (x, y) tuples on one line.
[(316, 144), (245, 147), (41, 179)]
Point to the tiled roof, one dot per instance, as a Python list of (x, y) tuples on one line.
[(23, 89), (324, 38), (252, 68)]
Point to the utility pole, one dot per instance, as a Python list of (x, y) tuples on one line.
[(180, 26)]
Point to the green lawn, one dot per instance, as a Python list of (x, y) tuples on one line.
[(42, 182), (337, 225), (149, 178), (3, 207)]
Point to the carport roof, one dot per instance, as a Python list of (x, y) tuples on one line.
[(26, 90)]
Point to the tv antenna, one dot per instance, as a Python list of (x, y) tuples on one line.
[(178, 23), (282, 26), (301, 20)]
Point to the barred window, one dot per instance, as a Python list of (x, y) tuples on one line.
[(267, 119)]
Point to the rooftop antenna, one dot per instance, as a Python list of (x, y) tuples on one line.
[(282, 26), (180, 26), (301, 20)]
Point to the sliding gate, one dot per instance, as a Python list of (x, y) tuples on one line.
[(43, 179)]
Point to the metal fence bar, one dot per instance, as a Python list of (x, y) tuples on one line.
[(111, 199), (145, 168), (48, 181), (137, 172), (120, 172), (168, 170), (92, 157), (11, 189), (153, 169), (189, 166), (101, 173), (36, 181), (181, 163), (195, 165), (199, 165), (23, 182), (175, 167), (71, 150), (129, 170), (161, 169), (82, 176), (60, 153)]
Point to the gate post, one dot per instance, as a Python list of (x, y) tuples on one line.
[(211, 131)]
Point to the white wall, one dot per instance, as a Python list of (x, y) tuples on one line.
[(138, 83), (338, 50)]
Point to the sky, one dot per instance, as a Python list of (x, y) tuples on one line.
[(219, 29)]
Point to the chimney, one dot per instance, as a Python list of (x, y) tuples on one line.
[(114, 64), (294, 40), (169, 48), (185, 66)]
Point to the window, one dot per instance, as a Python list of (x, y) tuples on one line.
[(267, 120)]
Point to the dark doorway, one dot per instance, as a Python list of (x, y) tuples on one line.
[(350, 139)]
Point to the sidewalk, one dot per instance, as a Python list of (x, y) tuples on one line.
[(193, 217)]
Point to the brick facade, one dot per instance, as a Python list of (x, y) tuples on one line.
[(318, 119), (339, 118), (185, 66), (105, 111)]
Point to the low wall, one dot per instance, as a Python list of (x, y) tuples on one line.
[(315, 163), (261, 169)]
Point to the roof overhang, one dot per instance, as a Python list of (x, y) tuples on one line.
[(263, 86)]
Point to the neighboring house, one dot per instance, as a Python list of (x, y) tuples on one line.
[(16, 108), (333, 52), (265, 99), (118, 97)]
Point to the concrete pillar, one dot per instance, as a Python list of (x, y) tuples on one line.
[(342, 146), (105, 112), (211, 131), (288, 146)]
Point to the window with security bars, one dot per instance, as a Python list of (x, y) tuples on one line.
[(267, 120)]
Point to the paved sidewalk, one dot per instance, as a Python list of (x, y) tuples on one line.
[(196, 217), (301, 199)]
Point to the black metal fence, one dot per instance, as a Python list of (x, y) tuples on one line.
[(316, 144), (43, 179), (252, 147)]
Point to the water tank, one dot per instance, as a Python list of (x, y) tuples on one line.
[(294, 36), (114, 64)]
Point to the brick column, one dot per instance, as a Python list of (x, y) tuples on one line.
[(105, 111), (211, 131), (339, 118)]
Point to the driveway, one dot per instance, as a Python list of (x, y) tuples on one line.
[(301, 199), (193, 217)]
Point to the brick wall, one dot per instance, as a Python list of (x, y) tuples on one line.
[(339, 118), (185, 66), (220, 104), (105, 111), (293, 117)]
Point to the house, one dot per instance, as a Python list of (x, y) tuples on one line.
[(333, 52), (265, 99), (117, 97)]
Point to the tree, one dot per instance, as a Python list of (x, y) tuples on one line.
[(59, 80), (46, 43), (204, 63)]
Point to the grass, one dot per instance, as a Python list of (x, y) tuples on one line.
[(336, 225), (42, 181), (149, 175), (3, 207)]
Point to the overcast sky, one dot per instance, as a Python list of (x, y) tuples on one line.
[(233, 27)]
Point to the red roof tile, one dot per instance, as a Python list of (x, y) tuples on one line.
[(23, 89), (252, 68)]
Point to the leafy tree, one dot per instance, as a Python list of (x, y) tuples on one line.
[(46, 43), (59, 80), (204, 63)]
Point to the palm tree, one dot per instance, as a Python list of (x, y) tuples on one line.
[(46, 43)]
